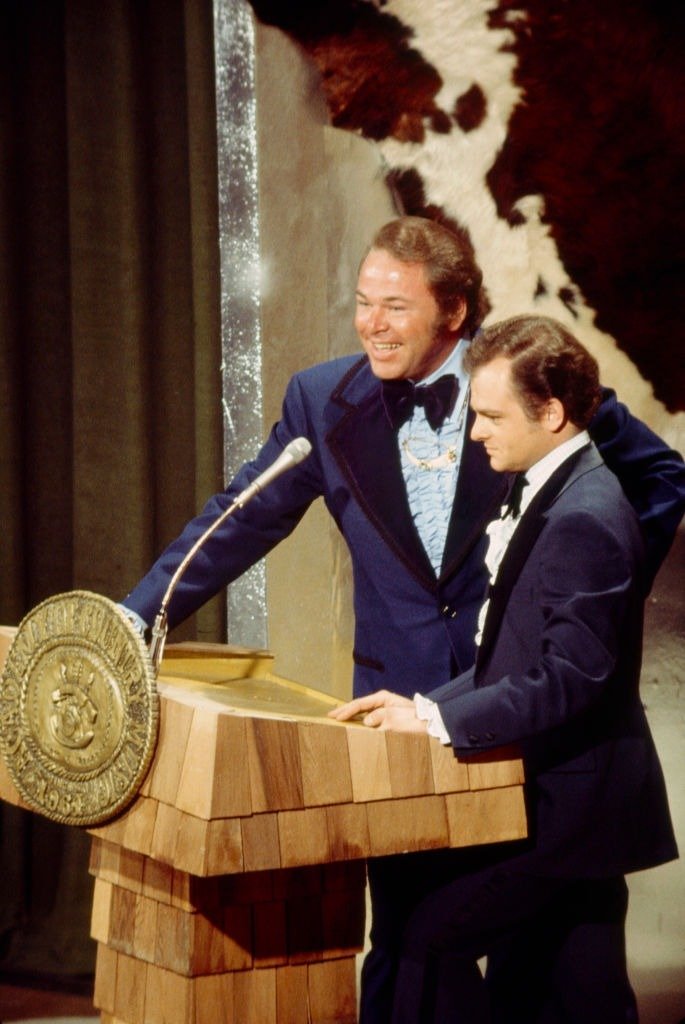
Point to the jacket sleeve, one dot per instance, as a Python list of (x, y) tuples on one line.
[(247, 535), (651, 474)]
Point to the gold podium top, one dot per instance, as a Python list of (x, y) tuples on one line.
[(240, 679)]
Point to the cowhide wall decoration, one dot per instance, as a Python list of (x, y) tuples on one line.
[(551, 133)]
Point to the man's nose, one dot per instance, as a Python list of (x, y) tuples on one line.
[(377, 319), (478, 431)]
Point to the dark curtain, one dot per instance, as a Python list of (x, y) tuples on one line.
[(110, 381)]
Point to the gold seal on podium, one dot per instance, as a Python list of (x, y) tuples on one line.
[(79, 709)]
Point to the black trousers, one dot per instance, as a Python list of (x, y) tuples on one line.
[(555, 947)]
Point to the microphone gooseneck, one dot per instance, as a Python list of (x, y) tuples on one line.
[(293, 453)]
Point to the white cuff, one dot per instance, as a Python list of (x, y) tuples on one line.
[(428, 711)]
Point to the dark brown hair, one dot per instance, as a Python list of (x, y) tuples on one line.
[(450, 266), (546, 362)]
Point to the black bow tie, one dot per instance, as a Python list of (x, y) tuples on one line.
[(400, 397), (513, 502)]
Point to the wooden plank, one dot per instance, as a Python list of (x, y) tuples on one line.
[(170, 998), (495, 768), (343, 923), (174, 946), (254, 996), (305, 929), (332, 992), (238, 937), (192, 845), (196, 783), (298, 883), (486, 816), (303, 837), (409, 761), (207, 944), (146, 929), (369, 765), (274, 765), (270, 934), (158, 880), (292, 994), (231, 793), (139, 825), (261, 845), (348, 830), (213, 999), (250, 887), (131, 982), (175, 720), (325, 761), (131, 866), (450, 775), (106, 857), (165, 836), (224, 846), (104, 991), (100, 912), (122, 920), (415, 823)]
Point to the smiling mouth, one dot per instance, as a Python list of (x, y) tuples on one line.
[(385, 346)]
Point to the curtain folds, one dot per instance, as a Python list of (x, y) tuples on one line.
[(110, 352)]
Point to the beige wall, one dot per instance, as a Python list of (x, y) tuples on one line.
[(321, 194)]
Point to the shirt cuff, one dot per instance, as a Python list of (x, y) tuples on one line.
[(140, 623), (428, 711)]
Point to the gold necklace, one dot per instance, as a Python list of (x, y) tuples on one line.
[(449, 456)]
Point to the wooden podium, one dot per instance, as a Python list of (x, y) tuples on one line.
[(232, 889)]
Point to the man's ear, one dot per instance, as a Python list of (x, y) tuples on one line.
[(456, 318), (554, 416)]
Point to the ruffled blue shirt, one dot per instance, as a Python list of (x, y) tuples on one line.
[(431, 459)]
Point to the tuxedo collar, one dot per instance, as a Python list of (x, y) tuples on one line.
[(365, 448)]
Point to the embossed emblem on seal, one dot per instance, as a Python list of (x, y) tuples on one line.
[(79, 710)]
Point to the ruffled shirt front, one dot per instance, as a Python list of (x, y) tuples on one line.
[(430, 461)]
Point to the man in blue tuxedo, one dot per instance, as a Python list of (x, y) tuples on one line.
[(408, 489), (557, 674)]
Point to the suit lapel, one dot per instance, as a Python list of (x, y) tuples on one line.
[(364, 445), (521, 544), (480, 492)]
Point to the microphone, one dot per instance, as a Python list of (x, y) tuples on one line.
[(293, 453)]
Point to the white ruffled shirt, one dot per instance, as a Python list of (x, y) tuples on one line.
[(500, 531)]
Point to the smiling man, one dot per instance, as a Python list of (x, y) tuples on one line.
[(557, 674), (411, 495)]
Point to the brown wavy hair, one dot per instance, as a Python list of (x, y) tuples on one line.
[(450, 265), (546, 362)]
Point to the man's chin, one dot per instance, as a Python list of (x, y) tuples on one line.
[(385, 372), (498, 464)]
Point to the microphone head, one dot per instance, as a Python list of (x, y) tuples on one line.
[(298, 449)]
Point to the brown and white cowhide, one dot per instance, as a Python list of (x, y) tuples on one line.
[(553, 134)]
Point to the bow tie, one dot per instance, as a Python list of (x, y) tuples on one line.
[(401, 396), (513, 502)]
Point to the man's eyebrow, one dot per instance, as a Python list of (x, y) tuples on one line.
[(486, 412), (384, 298)]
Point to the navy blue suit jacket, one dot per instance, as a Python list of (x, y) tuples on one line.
[(413, 630), (557, 674)]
